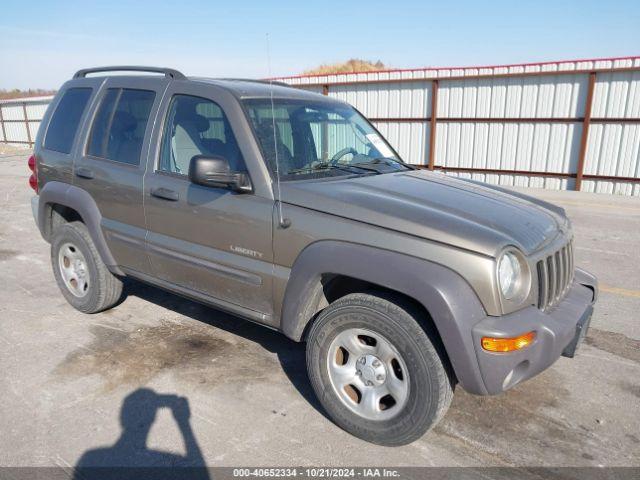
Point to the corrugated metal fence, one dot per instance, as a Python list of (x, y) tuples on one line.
[(20, 119), (572, 124), (559, 125)]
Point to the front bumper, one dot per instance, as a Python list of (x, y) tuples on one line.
[(558, 332)]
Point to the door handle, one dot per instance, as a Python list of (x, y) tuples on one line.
[(83, 172), (165, 194)]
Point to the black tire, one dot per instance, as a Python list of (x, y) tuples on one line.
[(104, 289), (430, 381)]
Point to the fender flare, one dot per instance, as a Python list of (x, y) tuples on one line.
[(588, 280), (451, 302), (78, 199)]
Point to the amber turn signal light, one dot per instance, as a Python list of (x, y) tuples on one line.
[(508, 344)]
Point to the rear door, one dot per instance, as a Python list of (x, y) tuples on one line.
[(212, 242), (58, 134), (112, 162)]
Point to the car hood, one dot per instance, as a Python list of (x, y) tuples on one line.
[(469, 215)]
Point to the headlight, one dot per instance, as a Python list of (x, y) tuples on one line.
[(509, 275)]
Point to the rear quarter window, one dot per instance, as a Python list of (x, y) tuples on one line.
[(65, 120)]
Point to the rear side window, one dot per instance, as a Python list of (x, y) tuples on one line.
[(64, 121), (119, 126)]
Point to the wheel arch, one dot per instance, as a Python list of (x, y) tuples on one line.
[(451, 304), (59, 202)]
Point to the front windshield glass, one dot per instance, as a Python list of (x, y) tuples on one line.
[(319, 139)]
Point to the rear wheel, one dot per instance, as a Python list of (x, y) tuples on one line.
[(82, 277), (376, 370)]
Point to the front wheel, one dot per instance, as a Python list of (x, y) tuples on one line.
[(376, 370)]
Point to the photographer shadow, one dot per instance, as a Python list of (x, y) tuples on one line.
[(129, 457)]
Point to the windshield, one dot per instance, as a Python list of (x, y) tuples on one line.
[(319, 139)]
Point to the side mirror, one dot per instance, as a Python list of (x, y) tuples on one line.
[(214, 171)]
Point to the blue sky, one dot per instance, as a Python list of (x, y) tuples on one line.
[(43, 43)]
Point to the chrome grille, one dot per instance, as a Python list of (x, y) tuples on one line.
[(555, 274)]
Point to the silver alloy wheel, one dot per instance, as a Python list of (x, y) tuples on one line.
[(368, 374), (73, 269)]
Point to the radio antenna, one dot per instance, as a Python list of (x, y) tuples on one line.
[(283, 222)]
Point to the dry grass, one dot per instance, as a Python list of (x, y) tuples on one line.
[(17, 93), (352, 65), (13, 150)]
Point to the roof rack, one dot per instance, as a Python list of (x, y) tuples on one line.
[(168, 72)]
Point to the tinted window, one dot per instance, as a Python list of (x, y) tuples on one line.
[(118, 129), (196, 126), (99, 138), (64, 121)]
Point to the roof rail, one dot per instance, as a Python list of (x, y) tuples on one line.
[(255, 80), (168, 72)]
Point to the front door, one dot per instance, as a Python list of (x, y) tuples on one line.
[(208, 241)]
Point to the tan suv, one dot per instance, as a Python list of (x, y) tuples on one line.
[(290, 209)]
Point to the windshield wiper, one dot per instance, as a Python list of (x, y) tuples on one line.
[(333, 166), (368, 166), (393, 160)]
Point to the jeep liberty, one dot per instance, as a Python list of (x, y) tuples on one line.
[(289, 209)]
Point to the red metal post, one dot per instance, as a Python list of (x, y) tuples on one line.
[(432, 124), (4, 130), (26, 123), (585, 131), (324, 145)]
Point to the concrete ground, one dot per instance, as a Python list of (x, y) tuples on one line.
[(64, 375)]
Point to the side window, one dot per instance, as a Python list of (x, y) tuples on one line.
[(196, 126), (118, 129), (64, 121), (99, 139)]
